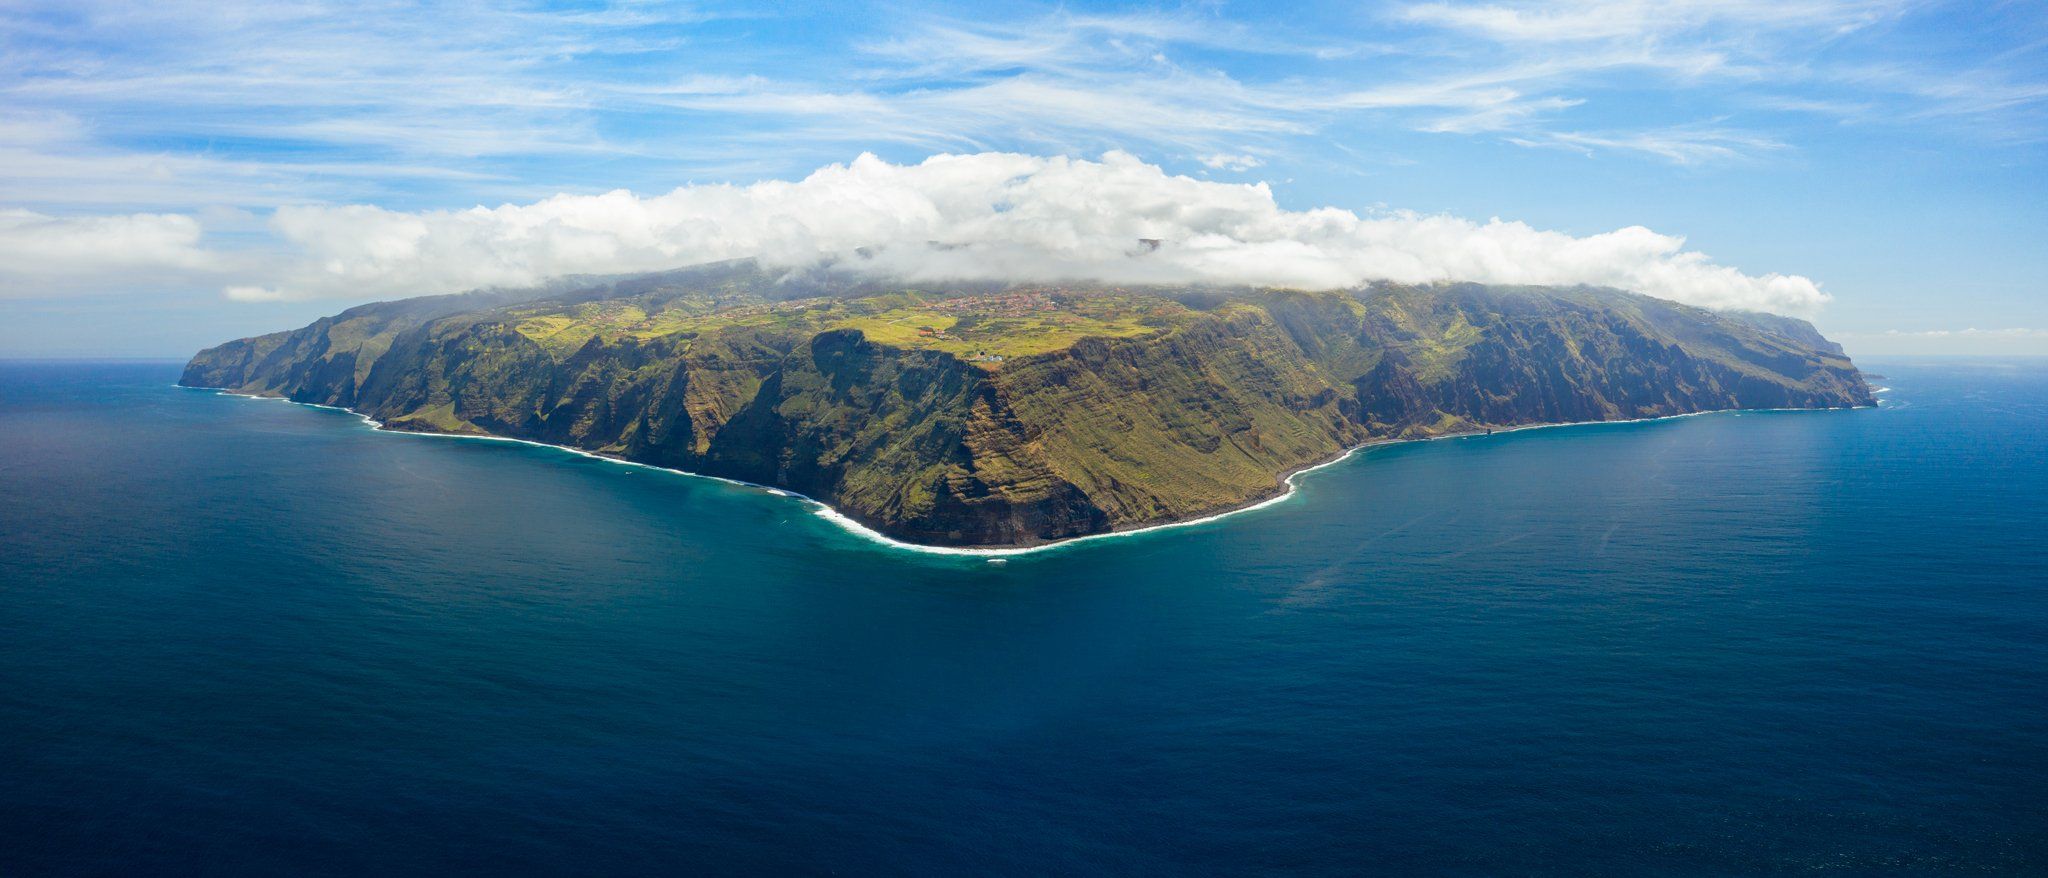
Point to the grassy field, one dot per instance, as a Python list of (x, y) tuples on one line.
[(985, 329)]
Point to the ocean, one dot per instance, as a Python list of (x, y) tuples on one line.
[(244, 637)]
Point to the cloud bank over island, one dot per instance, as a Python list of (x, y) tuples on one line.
[(985, 216)]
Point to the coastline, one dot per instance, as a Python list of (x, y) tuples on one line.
[(1288, 483)]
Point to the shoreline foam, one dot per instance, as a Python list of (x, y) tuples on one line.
[(825, 511)]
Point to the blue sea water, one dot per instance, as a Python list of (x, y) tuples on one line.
[(247, 637)]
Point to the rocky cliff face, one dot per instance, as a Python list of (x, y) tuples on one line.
[(1104, 433)]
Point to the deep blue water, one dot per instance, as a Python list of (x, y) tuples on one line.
[(247, 637)]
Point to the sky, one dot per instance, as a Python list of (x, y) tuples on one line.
[(174, 174)]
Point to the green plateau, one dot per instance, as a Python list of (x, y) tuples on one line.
[(1020, 414)]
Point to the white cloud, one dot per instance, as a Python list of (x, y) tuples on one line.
[(1224, 161), (985, 216), (43, 255), (1681, 146), (182, 103), (254, 294), (51, 158), (2009, 332), (1555, 21), (2007, 341), (1071, 42)]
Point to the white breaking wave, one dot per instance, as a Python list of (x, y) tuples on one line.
[(1290, 485)]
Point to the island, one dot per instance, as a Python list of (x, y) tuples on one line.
[(1017, 414)]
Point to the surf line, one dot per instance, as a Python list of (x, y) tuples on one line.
[(1289, 483)]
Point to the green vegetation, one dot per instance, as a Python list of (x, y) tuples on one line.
[(438, 418), (987, 328), (1002, 416)]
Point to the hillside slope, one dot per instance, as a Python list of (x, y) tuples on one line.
[(1019, 416)]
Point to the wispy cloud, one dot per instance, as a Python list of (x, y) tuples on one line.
[(1223, 161), (1683, 146), (321, 93), (201, 102), (1579, 21), (1062, 40), (54, 159), (1799, 56), (2008, 332), (2003, 341)]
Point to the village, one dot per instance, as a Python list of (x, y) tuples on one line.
[(759, 309), (1007, 304)]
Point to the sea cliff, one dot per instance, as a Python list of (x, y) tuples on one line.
[(1018, 416)]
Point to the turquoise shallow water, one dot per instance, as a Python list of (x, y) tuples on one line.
[(247, 637)]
